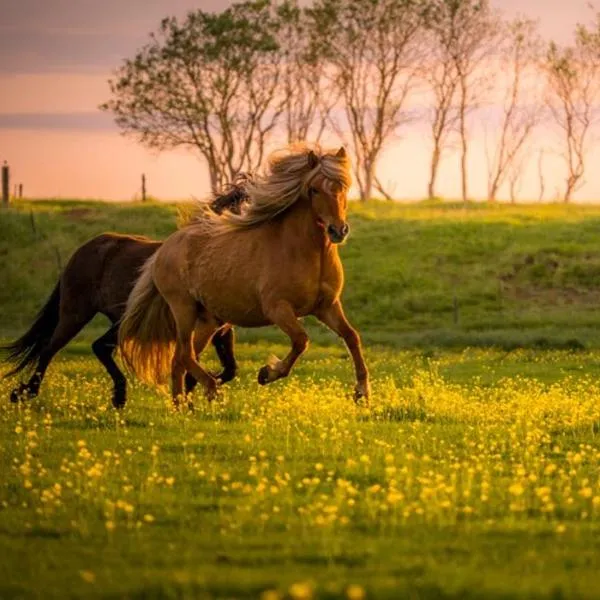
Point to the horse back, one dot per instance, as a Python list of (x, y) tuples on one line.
[(103, 270)]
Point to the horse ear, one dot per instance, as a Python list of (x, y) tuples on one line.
[(313, 160), (341, 153)]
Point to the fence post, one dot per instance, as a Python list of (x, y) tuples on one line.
[(5, 184), (20, 191), (455, 309), (143, 187)]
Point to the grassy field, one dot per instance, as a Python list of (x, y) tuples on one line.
[(473, 474), (421, 275)]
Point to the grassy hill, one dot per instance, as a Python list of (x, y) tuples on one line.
[(424, 274)]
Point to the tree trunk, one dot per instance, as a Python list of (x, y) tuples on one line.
[(463, 158), (571, 183), (463, 139), (493, 191), (369, 177), (541, 177), (214, 180), (463, 166), (435, 163)]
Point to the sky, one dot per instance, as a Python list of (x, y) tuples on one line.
[(56, 57)]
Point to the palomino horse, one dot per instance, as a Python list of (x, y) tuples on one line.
[(98, 279), (275, 262)]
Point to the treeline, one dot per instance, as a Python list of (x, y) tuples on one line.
[(228, 84)]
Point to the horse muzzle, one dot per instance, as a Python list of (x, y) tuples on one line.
[(338, 235)]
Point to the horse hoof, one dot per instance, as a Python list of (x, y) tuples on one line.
[(211, 390), (21, 393), (361, 394), (263, 375), (119, 402), (224, 377)]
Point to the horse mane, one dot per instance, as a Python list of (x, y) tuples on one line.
[(230, 199), (233, 197), (289, 174)]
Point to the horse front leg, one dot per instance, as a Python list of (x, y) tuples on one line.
[(104, 348), (333, 316), (282, 315), (224, 341)]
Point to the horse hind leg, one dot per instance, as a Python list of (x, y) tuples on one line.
[(104, 348), (223, 341), (68, 327), (188, 341), (283, 316)]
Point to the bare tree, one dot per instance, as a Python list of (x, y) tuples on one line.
[(441, 77), (573, 75), (308, 92), (521, 106), (465, 35), (372, 46), (514, 175), (541, 177), (209, 83)]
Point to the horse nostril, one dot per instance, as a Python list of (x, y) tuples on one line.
[(331, 230), (345, 229)]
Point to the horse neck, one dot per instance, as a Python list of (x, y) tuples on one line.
[(301, 229)]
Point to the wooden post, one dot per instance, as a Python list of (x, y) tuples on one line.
[(143, 187), (455, 303), (5, 184), (20, 191), (32, 221)]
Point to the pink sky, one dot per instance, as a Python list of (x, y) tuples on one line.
[(57, 57)]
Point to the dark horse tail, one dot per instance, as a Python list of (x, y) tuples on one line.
[(26, 351)]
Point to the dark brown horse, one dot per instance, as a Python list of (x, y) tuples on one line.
[(98, 279), (274, 263)]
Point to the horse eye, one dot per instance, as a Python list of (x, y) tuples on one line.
[(311, 192)]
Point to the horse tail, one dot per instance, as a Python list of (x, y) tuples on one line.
[(147, 330), (26, 351)]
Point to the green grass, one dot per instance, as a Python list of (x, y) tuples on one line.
[(473, 475), (424, 275)]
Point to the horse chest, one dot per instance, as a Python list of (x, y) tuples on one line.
[(331, 282), (322, 287)]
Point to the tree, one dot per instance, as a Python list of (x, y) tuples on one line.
[(521, 106), (515, 176), (442, 79), (541, 177), (372, 47), (464, 38), (308, 94), (209, 83), (573, 75)]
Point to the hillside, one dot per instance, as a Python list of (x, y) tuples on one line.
[(424, 274)]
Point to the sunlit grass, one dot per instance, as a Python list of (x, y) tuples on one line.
[(463, 466), (425, 274)]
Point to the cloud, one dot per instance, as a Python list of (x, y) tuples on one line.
[(39, 36), (52, 51), (74, 121)]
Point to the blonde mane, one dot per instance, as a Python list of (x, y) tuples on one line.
[(289, 175)]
